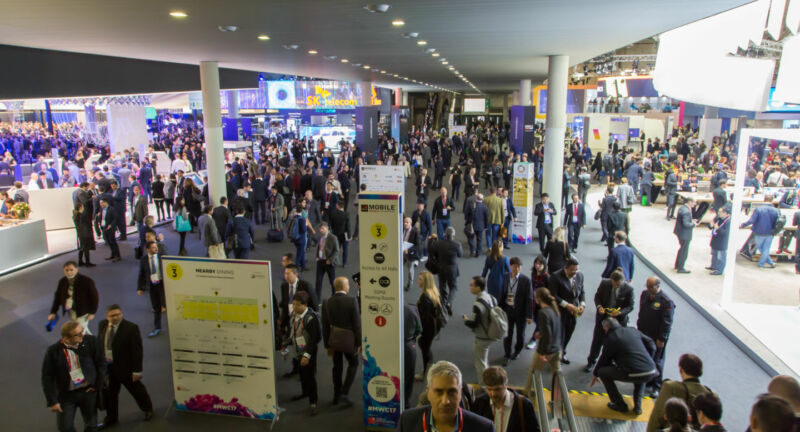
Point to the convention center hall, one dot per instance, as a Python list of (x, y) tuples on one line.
[(416, 216)]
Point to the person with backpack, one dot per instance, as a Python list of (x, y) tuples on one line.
[(488, 324), (298, 235), (691, 369), (509, 410)]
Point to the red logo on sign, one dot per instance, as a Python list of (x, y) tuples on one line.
[(380, 321)]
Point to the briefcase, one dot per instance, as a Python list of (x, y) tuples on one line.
[(342, 340)]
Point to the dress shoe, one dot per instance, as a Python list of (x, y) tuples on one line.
[(715, 273), (505, 361), (619, 408), (107, 423), (109, 258), (637, 410), (296, 398), (515, 356), (116, 259), (346, 402), (565, 361), (335, 400), (312, 410), (80, 264), (589, 367), (90, 265), (148, 415), (290, 373), (709, 268), (154, 333), (683, 271)]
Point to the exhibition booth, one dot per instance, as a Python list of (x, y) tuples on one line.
[(23, 241)]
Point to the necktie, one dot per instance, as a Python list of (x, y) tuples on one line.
[(291, 290), (613, 301), (111, 334), (153, 267)]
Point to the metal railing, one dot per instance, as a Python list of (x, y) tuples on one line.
[(560, 405)]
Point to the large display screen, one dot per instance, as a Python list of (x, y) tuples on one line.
[(281, 94), (474, 105)]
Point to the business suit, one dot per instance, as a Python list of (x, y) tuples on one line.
[(125, 346), (221, 215), (627, 356), (617, 221), (242, 228), (477, 215), (107, 220), (574, 219), (609, 297), (423, 185), (411, 421), (287, 293), (46, 184), (120, 197), (567, 292), (328, 204), (511, 214), (327, 260), (621, 256), (340, 227), (445, 253), (151, 278), (260, 197), (305, 328), (516, 298), (341, 310), (683, 230), (412, 255), (544, 222), (671, 190), (318, 186), (517, 421)]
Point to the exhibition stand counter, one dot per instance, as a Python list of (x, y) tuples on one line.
[(54, 206), (24, 241)]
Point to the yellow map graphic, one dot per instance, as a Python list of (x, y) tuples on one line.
[(219, 309)]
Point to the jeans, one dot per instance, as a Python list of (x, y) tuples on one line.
[(72, 401), (410, 266), (492, 234), (441, 225), (480, 356), (763, 243), (507, 223), (718, 259), (300, 252)]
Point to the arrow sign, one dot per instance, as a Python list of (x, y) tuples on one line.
[(372, 281)]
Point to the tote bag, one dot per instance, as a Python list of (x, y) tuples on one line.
[(182, 225)]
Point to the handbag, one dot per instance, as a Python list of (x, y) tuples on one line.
[(233, 242), (597, 214), (182, 225), (342, 340), (217, 251)]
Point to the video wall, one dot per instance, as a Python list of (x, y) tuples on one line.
[(308, 95)]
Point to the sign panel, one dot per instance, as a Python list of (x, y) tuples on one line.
[(381, 299), (522, 228), (221, 336), (382, 178)]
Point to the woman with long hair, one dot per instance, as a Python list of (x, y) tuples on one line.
[(428, 305), (498, 267), (193, 201), (548, 334), (169, 193), (180, 210), (556, 251), (539, 278), (83, 227), (676, 413), (158, 197)]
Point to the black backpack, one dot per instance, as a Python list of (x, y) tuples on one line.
[(694, 421), (439, 317)]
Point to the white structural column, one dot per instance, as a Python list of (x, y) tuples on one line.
[(398, 96), (233, 104), (212, 123), (515, 98), (405, 99), (525, 92), (365, 88), (554, 133)]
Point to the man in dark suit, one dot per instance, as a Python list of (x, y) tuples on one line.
[(260, 198), (683, 230), (614, 298), (107, 221), (292, 284), (510, 411), (120, 198), (340, 318), (327, 258), (445, 252), (544, 212), (511, 216), (329, 200), (671, 190), (221, 215), (122, 345), (305, 337), (425, 226), (45, 182), (566, 285), (242, 228), (151, 278), (621, 256), (720, 197), (516, 298), (73, 371), (444, 391), (318, 185), (575, 220), (340, 226), (442, 208), (477, 215), (75, 295), (411, 255), (628, 357), (606, 206), (720, 232), (423, 185), (617, 220)]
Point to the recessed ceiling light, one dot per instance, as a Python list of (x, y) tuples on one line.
[(377, 8), (396, 76), (430, 50), (398, 23), (178, 14), (410, 35), (227, 28), (326, 57), (435, 54), (422, 42), (374, 69), (291, 47), (383, 71), (442, 59), (344, 60), (445, 63), (263, 37), (405, 78), (366, 66), (312, 52)]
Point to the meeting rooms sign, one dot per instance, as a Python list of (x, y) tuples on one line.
[(380, 256)]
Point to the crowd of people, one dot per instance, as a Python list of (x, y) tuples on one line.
[(304, 196)]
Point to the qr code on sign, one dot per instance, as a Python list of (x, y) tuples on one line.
[(380, 392)]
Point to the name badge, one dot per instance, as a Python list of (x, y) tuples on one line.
[(154, 278), (300, 341), (68, 304), (547, 218), (574, 219), (444, 211), (76, 376), (327, 204), (109, 356)]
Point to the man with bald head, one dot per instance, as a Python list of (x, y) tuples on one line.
[(655, 320), (341, 333), (788, 389)]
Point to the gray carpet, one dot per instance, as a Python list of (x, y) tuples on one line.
[(25, 298)]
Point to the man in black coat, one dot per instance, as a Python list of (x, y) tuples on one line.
[(720, 232), (516, 298), (318, 183), (628, 357), (411, 255), (328, 203), (304, 336), (614, 298), (340, 320), (616, 220), (445, 252), (444, 392), (221, 215), (477, 216), (423, 185), (107, 221), (656, 312), (73, 371), (606, 206), (151, 278), (566, 285), (81, 303), (575, 220), (340, 227), (260, 200), (291, 285), (544, 212), (509, 410), (120, 198), (122, 345), (683, 230)]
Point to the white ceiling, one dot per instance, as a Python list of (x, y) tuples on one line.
[(493, 43)]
